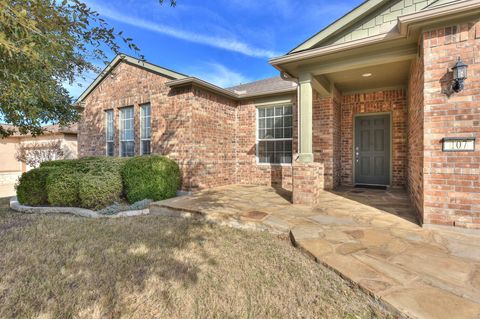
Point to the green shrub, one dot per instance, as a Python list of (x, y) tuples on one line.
[(99, 190), (62, 187), (31, 187), (88, 164), (150, 177)]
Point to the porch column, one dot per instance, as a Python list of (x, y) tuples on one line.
[(305, 118)]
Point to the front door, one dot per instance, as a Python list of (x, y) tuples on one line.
[(372, 150)]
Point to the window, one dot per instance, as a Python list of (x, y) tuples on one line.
[(127, 137), (145, 129), (110, 132), (274, 144)]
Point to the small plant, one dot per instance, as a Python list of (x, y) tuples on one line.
[(117, 207), (99, 190), (62, 188), (31, 187), (153, 177)]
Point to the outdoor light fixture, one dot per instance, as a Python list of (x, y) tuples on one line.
[(459, 75)]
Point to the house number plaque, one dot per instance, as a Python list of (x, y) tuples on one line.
[(458, 144)]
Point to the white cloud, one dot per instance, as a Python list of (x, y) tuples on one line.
[(225, 43), (220, 75)]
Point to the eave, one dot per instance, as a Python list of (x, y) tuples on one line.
[(224, 92), (133, 61)]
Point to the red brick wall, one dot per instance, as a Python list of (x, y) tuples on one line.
[(415, 135), (326, 136), (248, 171), (452, 180), (308, 182), (202, 145), (213, 131), (393, 101)]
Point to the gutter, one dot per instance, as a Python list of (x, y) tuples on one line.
[(224, 92), (334, 48)]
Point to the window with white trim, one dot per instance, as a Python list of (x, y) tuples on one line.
[(145, 129), (127, 136), (109, 133), (274, 134)]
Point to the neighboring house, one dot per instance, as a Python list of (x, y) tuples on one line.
[(11, 168), (376, 102)]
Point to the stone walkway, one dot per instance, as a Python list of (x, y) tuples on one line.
[(368, 236)]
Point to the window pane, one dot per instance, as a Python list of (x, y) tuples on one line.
[(278, 133), (127, 136), (145, 122), (145, 147), (269, 123), (287, 133), (287, 121), (270, 146), (110, 150), (275, 123), (261, 134), (127, 149), (279, 146), (278, 122), (261, 123), (261, 148), (261, 112), (269, 133), (288, 147)]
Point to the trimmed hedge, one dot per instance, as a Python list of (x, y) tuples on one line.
[(150, 177), (101, 190), (97, 182), (31, 187), (62, 188), (89, 164)]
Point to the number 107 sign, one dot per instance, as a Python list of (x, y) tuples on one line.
[(458, 144)]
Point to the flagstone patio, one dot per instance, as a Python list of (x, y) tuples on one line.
[(370, 237)]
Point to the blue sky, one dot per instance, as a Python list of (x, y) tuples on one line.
[(226, 42)]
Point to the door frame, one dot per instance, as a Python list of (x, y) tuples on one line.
[(390, 116)]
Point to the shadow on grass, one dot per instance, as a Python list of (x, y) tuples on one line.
[(67, 264)]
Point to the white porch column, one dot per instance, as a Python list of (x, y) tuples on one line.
[(305, 118)]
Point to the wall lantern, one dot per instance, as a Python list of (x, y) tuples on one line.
[(459, 75)]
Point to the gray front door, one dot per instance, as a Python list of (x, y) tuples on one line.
[(372, 150)]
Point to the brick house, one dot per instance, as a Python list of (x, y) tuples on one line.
[(369, 100)]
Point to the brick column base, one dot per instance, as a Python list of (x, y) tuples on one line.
[(308, 181)]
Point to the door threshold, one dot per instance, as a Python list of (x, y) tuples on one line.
[(382, 187)]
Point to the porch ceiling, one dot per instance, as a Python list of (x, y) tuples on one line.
[(382, 75)]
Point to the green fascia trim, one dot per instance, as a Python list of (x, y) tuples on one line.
[(341, 24), (134, 61)]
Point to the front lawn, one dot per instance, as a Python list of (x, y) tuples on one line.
[(61, 266)]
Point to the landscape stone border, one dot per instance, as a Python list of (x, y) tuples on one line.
[(82, 212)]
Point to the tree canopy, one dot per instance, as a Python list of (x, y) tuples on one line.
[(44, 44)]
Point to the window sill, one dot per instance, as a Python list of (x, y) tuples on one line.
[(274, 164)]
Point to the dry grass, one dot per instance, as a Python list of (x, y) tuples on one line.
[(156, 267)]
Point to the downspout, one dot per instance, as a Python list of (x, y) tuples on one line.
[(287, 77)]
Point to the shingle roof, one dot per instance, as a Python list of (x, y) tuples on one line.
[(263, 86), (71, 129)]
